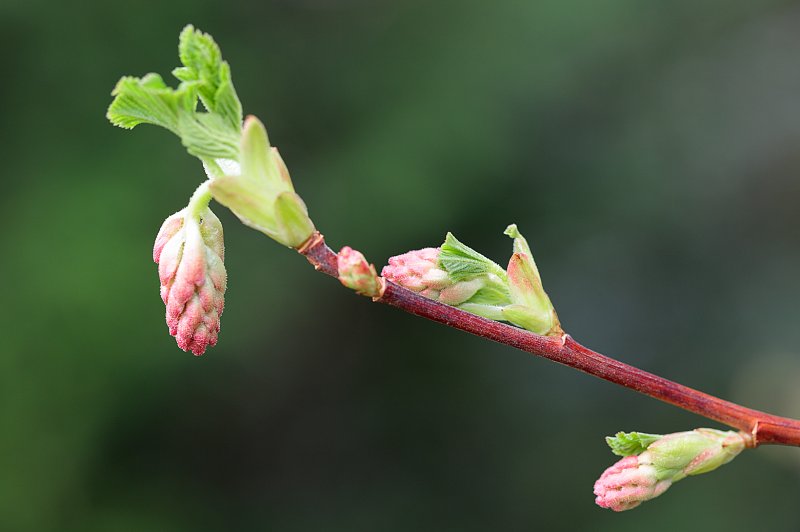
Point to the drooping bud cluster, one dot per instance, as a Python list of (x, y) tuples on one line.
[(457, 275), (357, 274), (639, 478), (189, 251)]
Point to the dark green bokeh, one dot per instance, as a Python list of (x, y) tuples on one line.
[(648, 150)]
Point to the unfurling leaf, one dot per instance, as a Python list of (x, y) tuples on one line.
[(630, 443)]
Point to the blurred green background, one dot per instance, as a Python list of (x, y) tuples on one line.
[(648, 150)]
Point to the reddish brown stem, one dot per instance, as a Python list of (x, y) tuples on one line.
[(764, 428)]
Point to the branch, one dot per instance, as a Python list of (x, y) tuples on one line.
[(764, 428), (466, 290)]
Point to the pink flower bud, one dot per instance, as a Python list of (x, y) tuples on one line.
[(356, 273), (189, 251), (419, 271), (627, 484)]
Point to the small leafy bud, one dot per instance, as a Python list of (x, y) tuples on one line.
[(457, 275), (262, 195), (357, 274), (189, 251), (422, 272), (653, 463)]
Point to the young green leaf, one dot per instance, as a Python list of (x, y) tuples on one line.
[(462, 262), (202, 63), (206, 135), (631, 443), (148, 100)]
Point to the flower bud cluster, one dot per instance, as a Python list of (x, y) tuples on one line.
[(189, 251), (419, 271)]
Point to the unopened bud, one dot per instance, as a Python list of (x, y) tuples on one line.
[(189, 251), (418, 270), (627, 484), (531, 307), (357, 274), (636, 479)]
